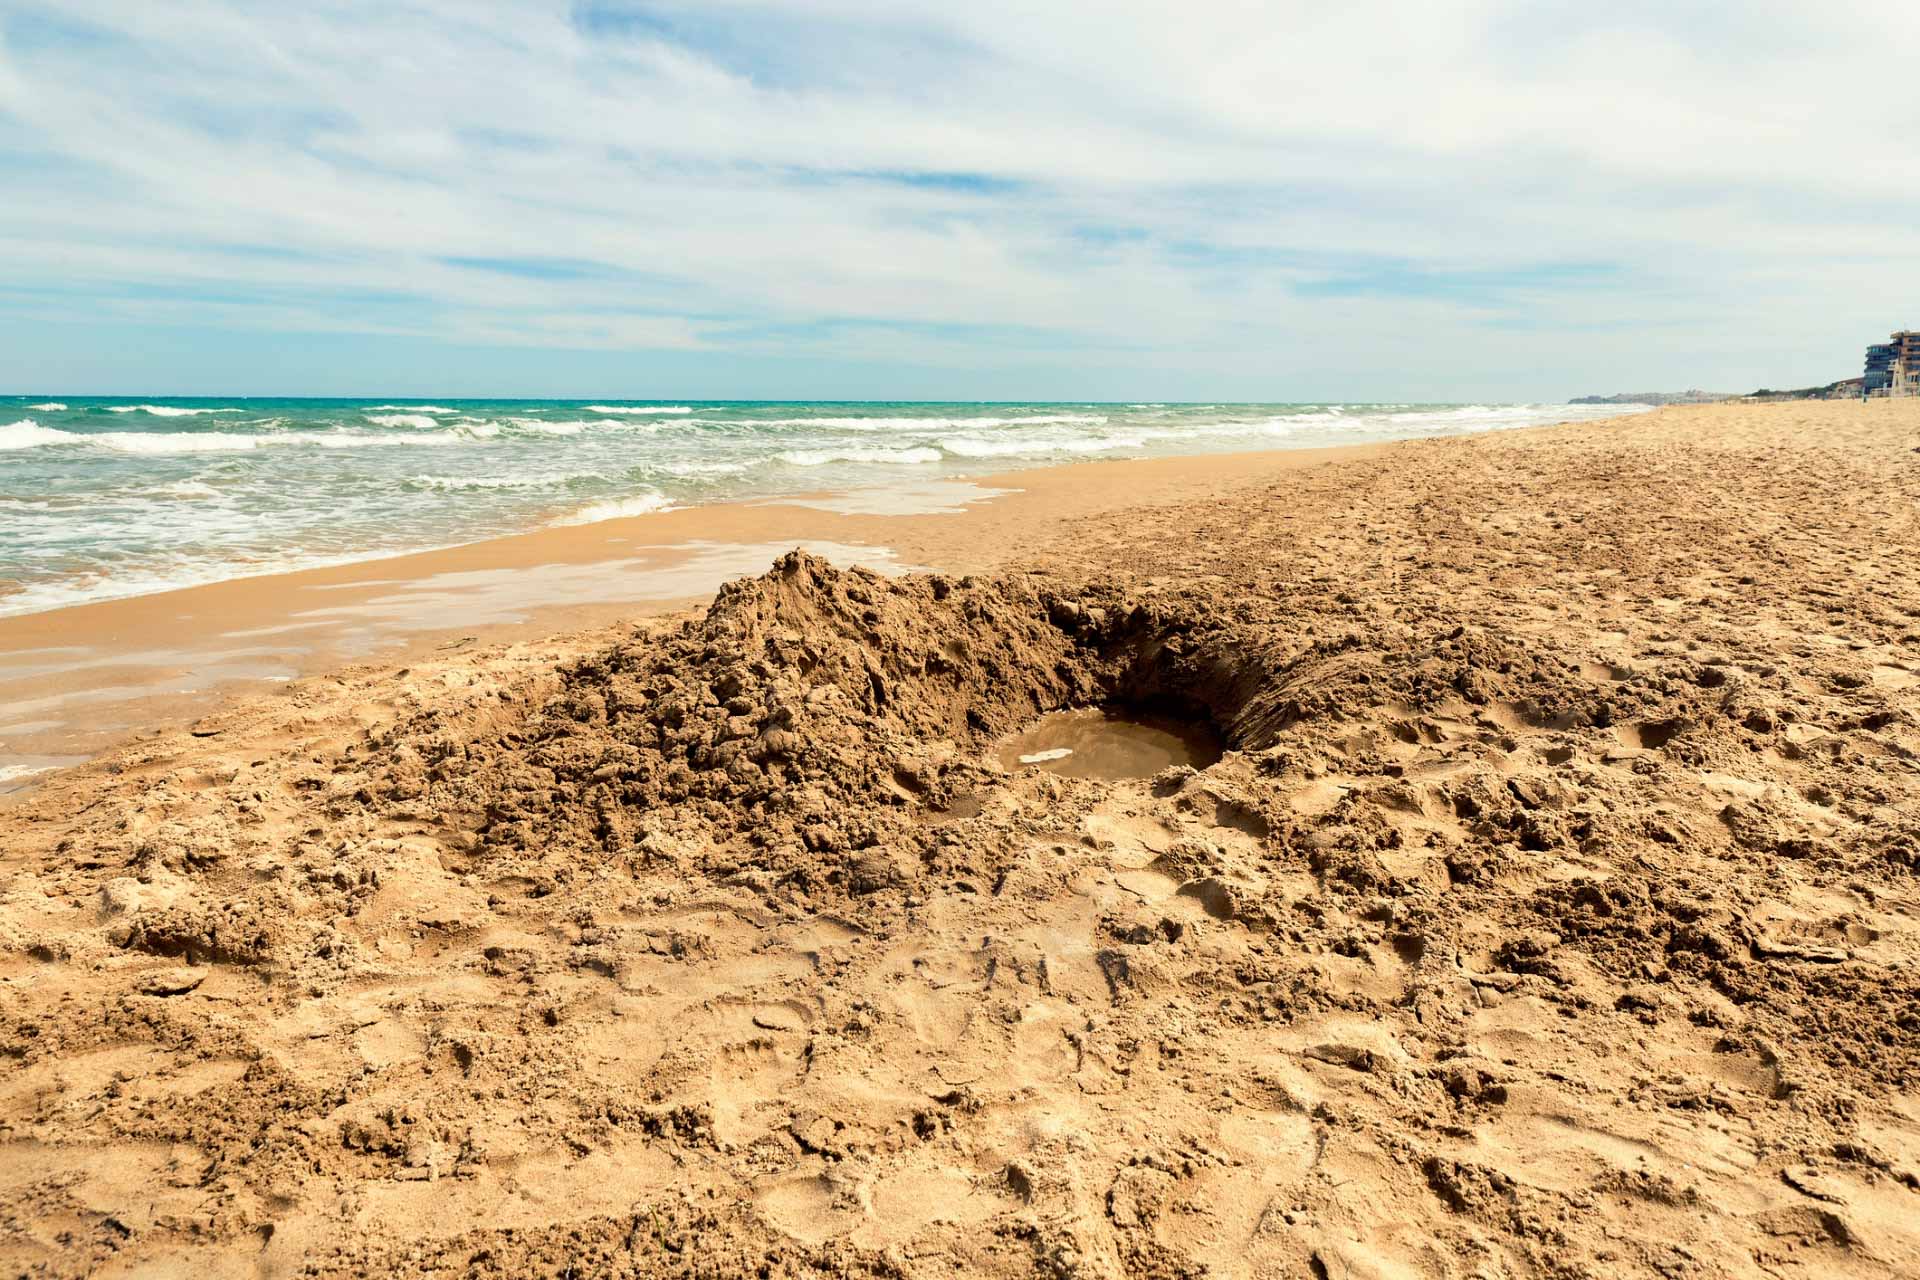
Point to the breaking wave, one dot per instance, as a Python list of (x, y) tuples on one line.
[(822, 457), (639, 409), (535, 480), (28, 434), (934, 424), (166, 410), (617, 508), (969, 447)]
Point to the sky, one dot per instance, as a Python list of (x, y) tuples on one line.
[(989, 200)]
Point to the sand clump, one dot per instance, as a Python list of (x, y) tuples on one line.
[(1550, 912)]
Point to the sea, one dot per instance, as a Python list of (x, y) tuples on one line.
[(106, 498)]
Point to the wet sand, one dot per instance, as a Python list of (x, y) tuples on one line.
[(1553, 911)]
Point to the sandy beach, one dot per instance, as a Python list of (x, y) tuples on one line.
[(1552, 907)]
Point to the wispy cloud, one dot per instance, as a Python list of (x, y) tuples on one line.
[(1068, 199)]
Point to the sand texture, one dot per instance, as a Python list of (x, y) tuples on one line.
[(1555, 910)]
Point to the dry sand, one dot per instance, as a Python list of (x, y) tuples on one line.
[(1552, 912)]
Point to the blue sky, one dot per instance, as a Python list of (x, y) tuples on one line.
[(995, 200)]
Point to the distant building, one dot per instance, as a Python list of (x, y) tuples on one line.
[(1893, 367)]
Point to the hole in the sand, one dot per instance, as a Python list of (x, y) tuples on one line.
[(1655, 734), (1109, 744)]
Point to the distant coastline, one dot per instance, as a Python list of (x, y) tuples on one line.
[(1843, 389), (1656, 398)]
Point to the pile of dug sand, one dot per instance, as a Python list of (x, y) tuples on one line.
[(1550, 912)]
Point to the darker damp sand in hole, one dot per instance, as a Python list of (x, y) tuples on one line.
[(1110, 745)]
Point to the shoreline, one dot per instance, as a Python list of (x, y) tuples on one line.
[(166, 500), (81, 679)]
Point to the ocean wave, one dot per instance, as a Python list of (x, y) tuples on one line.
[(969, 447), (166, 410), (158, 443), (28, 434), (934, 424), (189, 490), (639, 409), (1288, 423), (51, 406), (473, 428), (409, 408), (415, 421), (689, 470), (574, 426), (1467, 413), (370, 440), (534, 480), (822, 457), (168, 442), (171, 575), (617, 508)]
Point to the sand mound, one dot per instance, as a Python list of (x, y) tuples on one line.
[(726, 946)]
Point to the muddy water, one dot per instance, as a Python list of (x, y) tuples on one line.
[(1094, 743)]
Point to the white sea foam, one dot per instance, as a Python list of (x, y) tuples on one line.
[(618, 508), (694, 469), (933, 424), (531, 480), (416, 421), (821, 457), (1475, 414), (473, 429), (409, 408), (367, 440), (970, 447), (28, 434), (574, 426), (166, 410), (191, 490), (1291, 423), (160, 443), (51, 406), (166, 442), (88, 588), (639, 409)]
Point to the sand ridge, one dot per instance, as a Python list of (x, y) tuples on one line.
[(1551, 913)]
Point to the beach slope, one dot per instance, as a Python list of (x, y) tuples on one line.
[(1554, 909)]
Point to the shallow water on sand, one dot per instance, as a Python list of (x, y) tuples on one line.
[(1094, 743)]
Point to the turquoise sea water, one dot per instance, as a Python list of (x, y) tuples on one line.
[(116, 497)]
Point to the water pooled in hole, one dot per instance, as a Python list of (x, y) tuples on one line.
[(1095, 743)]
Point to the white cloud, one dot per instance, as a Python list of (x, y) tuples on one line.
[(1214, 185)]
